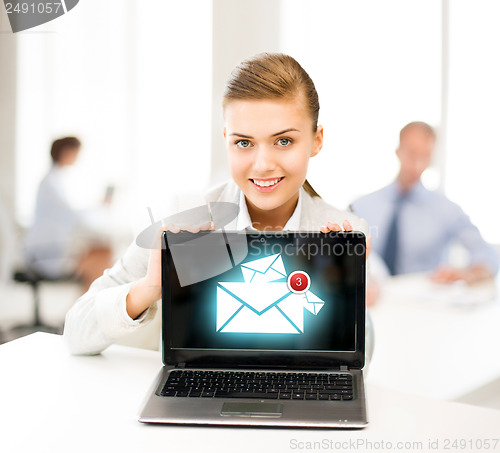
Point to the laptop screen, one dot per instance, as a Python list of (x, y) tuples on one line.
[(263, 297)]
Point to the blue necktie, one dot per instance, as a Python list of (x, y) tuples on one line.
[(390, 253)]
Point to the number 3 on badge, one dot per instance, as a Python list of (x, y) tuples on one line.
[(298, 282)]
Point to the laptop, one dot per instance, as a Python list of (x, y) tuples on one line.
[(261, 329)]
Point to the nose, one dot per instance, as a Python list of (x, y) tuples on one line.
[(264, 162)]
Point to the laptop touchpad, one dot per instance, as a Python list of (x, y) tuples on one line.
[(241, 409)]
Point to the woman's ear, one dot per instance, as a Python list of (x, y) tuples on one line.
[(318, 141)]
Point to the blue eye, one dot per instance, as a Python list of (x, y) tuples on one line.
[(243, 143), (284, 141)]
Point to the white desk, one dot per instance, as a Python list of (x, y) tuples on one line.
[(51, 401), (430, 347)]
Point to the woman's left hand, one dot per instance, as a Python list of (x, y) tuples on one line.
[(372, 289), (330, 226)]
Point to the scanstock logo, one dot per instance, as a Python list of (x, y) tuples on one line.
[(31, 13)]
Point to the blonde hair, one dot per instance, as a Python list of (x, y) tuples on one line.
[(273, 76)]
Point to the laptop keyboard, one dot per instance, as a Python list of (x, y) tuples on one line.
[(261, 385)]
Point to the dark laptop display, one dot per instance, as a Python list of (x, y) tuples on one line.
[(277, 299)]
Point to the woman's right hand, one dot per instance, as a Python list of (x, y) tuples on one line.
[(147, 290)]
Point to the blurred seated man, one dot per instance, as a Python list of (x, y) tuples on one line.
[(415, 226), (64, 239)]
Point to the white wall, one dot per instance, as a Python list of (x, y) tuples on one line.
[(133, 81), (472, 167), (7, 147), (376, 67), (7, 113)]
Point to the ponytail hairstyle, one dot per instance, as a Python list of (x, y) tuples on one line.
[(273, 76)]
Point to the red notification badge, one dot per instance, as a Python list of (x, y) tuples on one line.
[(298, 282)]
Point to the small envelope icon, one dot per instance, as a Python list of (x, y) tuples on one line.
[(261, 304), (313, 303), (265, 269)]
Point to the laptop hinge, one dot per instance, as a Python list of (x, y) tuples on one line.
[(344, 368), (181, 365)]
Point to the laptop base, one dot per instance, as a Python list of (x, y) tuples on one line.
[(254, 412)]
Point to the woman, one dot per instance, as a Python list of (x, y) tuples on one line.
[(270, 108)]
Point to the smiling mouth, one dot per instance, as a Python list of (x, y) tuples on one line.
[(267, 182)]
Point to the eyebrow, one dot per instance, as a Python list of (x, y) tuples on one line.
[(274, 135)]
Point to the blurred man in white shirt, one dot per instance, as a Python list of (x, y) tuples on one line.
[(65, 240)]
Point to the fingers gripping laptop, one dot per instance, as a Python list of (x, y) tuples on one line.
[(262, 329)]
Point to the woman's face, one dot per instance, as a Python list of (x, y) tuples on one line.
[(269, 144)]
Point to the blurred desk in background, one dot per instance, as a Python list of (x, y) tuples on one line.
[(436, 340)]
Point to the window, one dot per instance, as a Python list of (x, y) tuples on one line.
[(133, 83), (376, 67), (472, 157)]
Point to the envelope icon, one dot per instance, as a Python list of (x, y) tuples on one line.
[(312, 302), (265, 269), (260, 304)]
